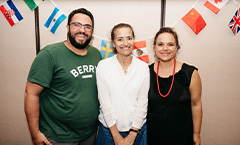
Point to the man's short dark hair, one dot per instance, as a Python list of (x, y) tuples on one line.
[(82, 11)]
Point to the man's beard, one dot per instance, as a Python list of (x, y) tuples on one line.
[(78, 45)]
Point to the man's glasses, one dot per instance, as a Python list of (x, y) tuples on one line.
[(77, 26)]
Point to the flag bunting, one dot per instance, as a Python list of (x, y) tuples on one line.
[(234, 24), (55, 19), (33, 4), (194, 20), (140, 51), (10, 12), (215, 5), (107, 49)]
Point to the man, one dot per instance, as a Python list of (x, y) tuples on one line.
[(61, 102)]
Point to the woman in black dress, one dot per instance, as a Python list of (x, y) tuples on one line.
[(174, 100)]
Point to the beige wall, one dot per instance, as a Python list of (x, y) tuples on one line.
[(215, 51)]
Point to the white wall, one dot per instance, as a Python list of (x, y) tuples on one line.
[(214, 51)]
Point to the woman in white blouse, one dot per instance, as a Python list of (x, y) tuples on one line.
[(123, 84)]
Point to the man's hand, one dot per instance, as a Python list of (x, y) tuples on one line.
[(40, 139)]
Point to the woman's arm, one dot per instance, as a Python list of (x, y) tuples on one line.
[(196, 103), (107, 108), (142, 101), (117, 138), (141, 110), (104, 98)]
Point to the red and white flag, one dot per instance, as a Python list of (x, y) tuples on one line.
[(194, 20), (215, 5), (10, 12), (140, 51)]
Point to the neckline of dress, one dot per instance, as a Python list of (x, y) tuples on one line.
[(129, 67), (176, 73)]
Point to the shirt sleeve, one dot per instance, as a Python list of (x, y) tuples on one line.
[(104, 98), (42, 68), (142, 101)]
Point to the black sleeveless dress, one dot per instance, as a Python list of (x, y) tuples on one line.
[(169, 119)]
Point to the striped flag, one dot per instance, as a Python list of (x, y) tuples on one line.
[(234, 24), (33, 4), (194, 20), (55, 19), (215, 5), (140, 50), (106, 49), (10, 12)]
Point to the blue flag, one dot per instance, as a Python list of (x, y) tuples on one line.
[(55, 19), (107, 49)]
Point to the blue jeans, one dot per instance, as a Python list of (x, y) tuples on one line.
[(105, 137)]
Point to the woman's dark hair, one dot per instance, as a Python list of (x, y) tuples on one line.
[(121, 25), (82, 11), (167, 30)]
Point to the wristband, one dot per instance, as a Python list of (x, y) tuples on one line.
[(133, 130)]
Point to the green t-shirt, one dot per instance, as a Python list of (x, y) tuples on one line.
[(69, 104)]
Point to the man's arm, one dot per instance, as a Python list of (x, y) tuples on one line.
[(31, 106)]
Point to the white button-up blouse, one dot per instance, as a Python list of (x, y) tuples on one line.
[(123, 98)]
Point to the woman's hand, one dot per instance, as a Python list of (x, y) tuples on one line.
[(119, 140), (129, 140), (196, 139)]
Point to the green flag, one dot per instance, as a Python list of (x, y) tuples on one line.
[(32, 4)]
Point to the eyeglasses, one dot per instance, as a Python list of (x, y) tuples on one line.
[(77, 25)]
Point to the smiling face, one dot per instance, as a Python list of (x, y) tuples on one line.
[(123, 41), (165, 47), (78, 36)]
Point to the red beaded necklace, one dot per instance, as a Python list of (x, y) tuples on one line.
[(172, 80)]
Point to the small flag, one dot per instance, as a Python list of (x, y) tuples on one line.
[(55, 20), (215, 5), (33, 4), (140, 50), (194, 20), (234, 24), (10, 12), (107, 49)]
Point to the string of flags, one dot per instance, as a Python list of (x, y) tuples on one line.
[(33, 4), (10, 12), (139, 50), (215, 5), (107, 49), (55, 19), (192, 18), (13, 16), (234, 24)]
